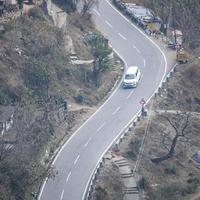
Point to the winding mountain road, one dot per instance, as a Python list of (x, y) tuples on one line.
[(79, 156)]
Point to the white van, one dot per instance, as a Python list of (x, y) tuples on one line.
[(132, 77)]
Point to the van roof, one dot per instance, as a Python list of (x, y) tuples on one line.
[(132, 70)]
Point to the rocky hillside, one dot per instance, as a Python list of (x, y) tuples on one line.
[(38, 81)]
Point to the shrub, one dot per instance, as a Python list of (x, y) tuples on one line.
[(191, 188), (3, 97), (39, 78), (100, 193), (170, 170), (192, 185), (79, 98), (143, 184), (36, 13), (134, 147), (51, 129)]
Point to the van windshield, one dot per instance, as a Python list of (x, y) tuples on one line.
[(129, 76)]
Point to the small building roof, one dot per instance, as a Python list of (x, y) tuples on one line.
[(177, 32)]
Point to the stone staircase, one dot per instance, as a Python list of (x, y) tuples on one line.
[(126, 173)]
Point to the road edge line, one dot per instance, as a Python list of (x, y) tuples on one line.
[(74, 134), (120, 133)]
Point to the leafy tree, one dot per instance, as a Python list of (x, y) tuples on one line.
[(100, 51)]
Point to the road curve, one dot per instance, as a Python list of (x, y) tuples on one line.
[(79, 156)]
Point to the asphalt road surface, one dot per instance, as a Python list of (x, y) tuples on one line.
[(79, 156)]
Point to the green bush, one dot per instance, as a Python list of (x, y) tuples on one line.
[(134, 147), (143, 184), (51, 129), (101, 193), (192, 184), (36, 13), (193, 179), (171, 170), (4, 99), (100, 50), (79, 98), (191, 188), (39, 78)]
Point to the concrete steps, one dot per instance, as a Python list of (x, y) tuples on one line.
[(130, 190), (126, 173)]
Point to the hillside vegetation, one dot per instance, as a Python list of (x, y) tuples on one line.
[(38, 78)]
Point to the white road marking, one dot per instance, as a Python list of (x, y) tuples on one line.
[(117, 109), (85, 145), (76, 160), (124, 38), (110, 25), (136, 49), (100, 127), (144, 63), (130, 94), (122, 130), (62, 194), (68, 176), (97, 12)]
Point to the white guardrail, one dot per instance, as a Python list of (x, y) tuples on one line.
[(124, 132), (91, 183)]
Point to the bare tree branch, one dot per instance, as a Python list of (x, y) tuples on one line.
[(179, 123)]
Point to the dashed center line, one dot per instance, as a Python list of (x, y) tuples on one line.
[(76, 160), (116, 111), (68, 176), (144, 63), (100, 127), (109, 24), (97, 12), (62, 194), (124, 38), (136, 49), (130, 94), (85, 145)]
